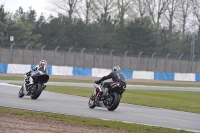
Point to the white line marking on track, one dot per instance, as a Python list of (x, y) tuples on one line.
[(6, 84)]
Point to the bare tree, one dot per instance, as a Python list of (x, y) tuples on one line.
[(66, 7), (169, 14), (156, 9), (88, 8), (141, 7), (196, 7), (123, 6), (103, 9), (185, 10), (84, 10)]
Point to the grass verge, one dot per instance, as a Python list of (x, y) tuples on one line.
[(90, 121), (175, 84)]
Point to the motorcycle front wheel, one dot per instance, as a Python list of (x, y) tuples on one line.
[(21, 93), (37, 91), (91, 102)]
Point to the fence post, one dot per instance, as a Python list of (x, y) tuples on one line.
[(111, 58), (69, 55), (192, 51), (55, 52), (42, 52), (95, 60), (125, 59), (192, 63), (166, 59), (139, 59), (11, 52), (179, 62), (82, 57), (152, 60), (26, 53)]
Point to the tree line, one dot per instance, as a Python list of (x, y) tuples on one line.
[(161, 26)]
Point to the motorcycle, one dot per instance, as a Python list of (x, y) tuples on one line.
[(109, 99), (34, 90)]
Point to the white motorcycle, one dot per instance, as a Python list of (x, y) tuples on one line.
[(34, 90)]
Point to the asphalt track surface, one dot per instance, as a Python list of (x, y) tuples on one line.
[(78, 106)]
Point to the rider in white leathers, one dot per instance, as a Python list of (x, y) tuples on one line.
[(41, 68)]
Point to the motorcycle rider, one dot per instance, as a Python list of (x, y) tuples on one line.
[(41, 68), (117, 78)]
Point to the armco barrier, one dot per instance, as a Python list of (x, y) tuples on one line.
[(97, 72)]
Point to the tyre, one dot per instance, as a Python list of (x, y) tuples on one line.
[(21, 93), (37, 92), (91, 102), (114, 102)]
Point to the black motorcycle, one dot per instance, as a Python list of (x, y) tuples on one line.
[(34, 90), (108, 99)]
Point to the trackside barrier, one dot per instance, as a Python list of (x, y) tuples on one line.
[(77, 71), (61, 70), (3, 68), (97, 72), (143, 75), (163, 76), (127, 73), (18, 69), (184, 77), (197, 77)]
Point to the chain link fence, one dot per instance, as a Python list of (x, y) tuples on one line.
[(97, 59)]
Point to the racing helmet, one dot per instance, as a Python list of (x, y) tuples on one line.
[(43, 63), (116, 68)]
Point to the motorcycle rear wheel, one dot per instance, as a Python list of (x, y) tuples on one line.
[(114, 103)]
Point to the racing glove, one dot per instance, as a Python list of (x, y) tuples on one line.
[(96, 82), (28, 73)]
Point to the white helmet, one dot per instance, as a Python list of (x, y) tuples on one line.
[(43, 63), (116, 68)]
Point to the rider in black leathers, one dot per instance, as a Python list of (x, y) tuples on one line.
[(117, 78)]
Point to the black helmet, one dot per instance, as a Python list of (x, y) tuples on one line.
[(116, 68)]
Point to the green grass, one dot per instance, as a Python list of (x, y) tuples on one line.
[(172, 84), (175, 100), (90, 121)]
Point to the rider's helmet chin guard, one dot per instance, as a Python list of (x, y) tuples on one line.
[(42, 63), (116, 68)]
